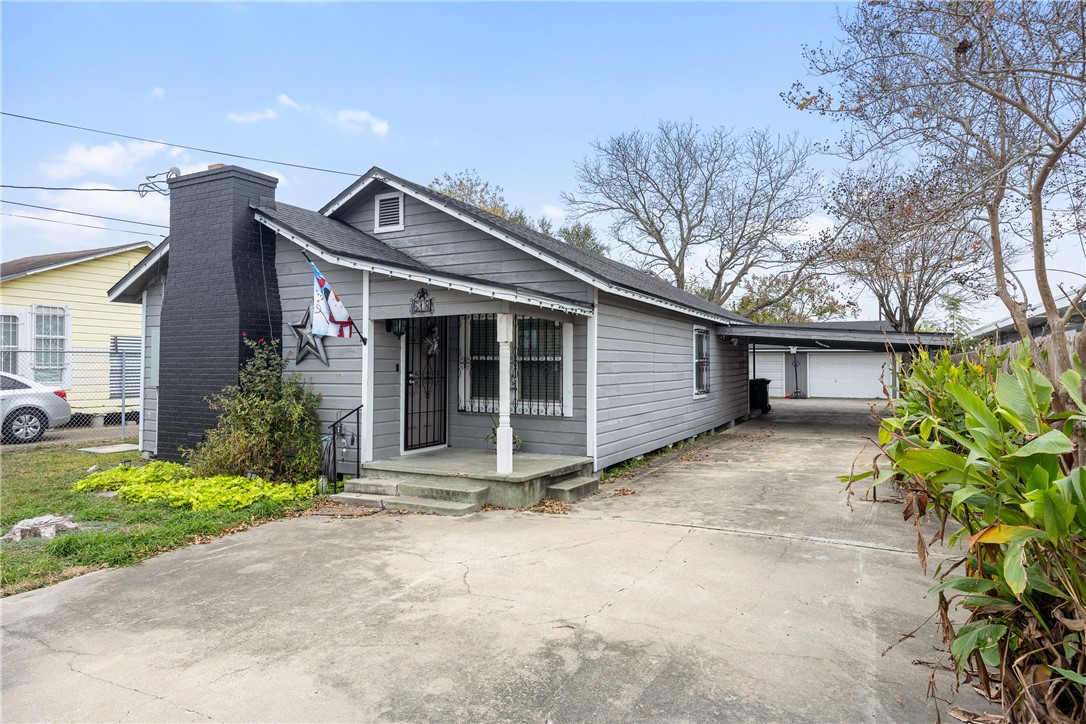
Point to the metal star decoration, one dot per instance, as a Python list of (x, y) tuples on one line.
[(308, 343)]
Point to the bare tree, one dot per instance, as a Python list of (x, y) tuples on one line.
[(704, 209), (997, 89), (900, 242)]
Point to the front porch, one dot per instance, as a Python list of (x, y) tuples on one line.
[(456, 481)]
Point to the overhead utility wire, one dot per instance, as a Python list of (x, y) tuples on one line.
[(86, 226), (65, 188), (80, 213), (178, 145)]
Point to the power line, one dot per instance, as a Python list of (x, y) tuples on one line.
[(179, 145), (65, 188), (80, 213), (86, 226)]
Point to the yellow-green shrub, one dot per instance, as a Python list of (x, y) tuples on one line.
[(175, 485)]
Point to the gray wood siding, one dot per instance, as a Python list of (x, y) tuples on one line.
[(152, 314), (539, 434), (387, 430), (448, 244), (340, 383), (645, 380), (391, 299)]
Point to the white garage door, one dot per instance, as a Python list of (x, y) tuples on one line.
[(769, 365), (847, 374)]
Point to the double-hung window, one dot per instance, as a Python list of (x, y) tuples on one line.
[(540, 374), (701, 361), (9, 344), (50, 344)]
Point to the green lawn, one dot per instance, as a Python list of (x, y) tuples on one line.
[(39, 482)]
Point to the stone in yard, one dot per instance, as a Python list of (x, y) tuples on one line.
[(107, 494), (46, 526)]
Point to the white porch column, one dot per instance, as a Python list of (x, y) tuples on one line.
[(505, 429)]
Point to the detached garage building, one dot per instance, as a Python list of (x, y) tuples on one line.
[(830, 359)]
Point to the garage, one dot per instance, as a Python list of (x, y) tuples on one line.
[(770, 366), (847, 374)]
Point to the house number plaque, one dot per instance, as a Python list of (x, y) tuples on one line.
[(422, 304)]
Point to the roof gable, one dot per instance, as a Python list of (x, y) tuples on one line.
[(28, 265), (599, 271)]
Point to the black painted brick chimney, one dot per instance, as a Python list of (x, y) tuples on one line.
[(221, 282)]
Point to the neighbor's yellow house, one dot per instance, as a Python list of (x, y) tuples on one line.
[(58, 327)]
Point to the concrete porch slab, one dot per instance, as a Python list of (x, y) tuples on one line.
[(479, 465)]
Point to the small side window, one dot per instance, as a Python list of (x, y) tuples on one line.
[(701, 361)]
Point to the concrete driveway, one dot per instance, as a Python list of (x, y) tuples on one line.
[(734, 585)]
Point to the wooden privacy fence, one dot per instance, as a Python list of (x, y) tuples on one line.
[(1071, 339)]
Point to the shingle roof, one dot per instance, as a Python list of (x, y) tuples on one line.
[(29, 264), (593, 264), (338, 237), (860, 325)]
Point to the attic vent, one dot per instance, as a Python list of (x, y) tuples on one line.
[(388, 212)]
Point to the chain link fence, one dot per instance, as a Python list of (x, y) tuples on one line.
[(71, 396)]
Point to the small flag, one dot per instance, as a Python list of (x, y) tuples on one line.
[(330, 318)]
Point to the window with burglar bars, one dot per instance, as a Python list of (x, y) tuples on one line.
[(124, 364), (50, 338), (701, 361), (9, 344), (536, 366)]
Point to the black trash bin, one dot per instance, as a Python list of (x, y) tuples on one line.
[(759, 395)]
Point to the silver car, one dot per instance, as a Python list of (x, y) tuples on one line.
[(28, 408)]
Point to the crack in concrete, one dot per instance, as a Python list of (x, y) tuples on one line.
[(746, 532), (642, 577), (153, 697)]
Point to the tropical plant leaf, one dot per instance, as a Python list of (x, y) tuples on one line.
[(1072, 675), (1052, 442), (974, 407), (1014, 570), (1011, 396), (965, 584), (972, 636), (923, 461)]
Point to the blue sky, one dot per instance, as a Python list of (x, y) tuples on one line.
[(516, 91)]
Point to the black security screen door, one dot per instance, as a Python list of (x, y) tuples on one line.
[(425, 383)]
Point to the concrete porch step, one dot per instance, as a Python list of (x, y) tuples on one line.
[(364, 500), (429, 505), (404, 502), (572, 490), (372, 486), (447, 489)]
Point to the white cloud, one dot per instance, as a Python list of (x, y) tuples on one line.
[(268, 114), (355, 121), (158, 92), (553, 212), (289, 102), (115, 159)]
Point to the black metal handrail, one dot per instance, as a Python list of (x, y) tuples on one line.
[(335, 430)]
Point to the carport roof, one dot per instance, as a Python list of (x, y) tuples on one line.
[(836, 335)]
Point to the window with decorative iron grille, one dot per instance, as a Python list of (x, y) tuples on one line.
[(538, 354), (701, 361)]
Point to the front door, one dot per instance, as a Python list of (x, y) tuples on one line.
[(425, 383)]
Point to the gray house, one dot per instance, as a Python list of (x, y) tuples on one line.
[(481, 336)]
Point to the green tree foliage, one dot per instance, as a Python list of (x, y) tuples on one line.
[(267, 423), (984, 452), (772, 299)]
